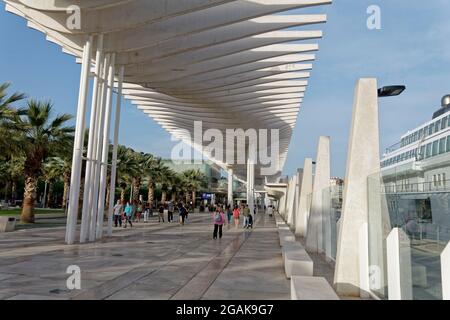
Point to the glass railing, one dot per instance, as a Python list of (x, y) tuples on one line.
[(331, 213), (436, 186), (425, 219)]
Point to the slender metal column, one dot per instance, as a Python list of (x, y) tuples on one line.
[(74, 193), (105, 151), (88, 177), (114, 155), (98, 149), (230, 186)]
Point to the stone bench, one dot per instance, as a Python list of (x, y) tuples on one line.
[(7, 224), (286, 237), (311, 288), (298, 263), (291, 246)]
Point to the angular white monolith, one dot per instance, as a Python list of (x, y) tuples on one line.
[(363, 160), (291, 201), (445, 272), (314, 235), (301, 221), (399, 265)]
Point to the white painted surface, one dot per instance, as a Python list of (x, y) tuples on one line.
[(399, 266), (445, 272), (362, 161)]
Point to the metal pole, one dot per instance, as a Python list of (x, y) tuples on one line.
[(114, 155), (105, 151), (230, 186), (93, 207), (45, 195), (90, 152), (74, 191)]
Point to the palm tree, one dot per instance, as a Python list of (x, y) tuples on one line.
[(55, 169), (8, 139), (11, 171), (153, 170), (41, 138), (194, 180), (126, 169), (140, 160), (165, 181)]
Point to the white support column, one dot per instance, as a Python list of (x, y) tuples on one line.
[(115, 149), (105, 151), (445, 272), (230, 186), (314, 236), (90, 152), (291, 201), (99, 148), (399, 265), (77, 162), (363, 160), (301, 221), (250, 184)]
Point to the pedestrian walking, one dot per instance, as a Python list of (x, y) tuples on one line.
[(118, 208), (218, 220), (246, 214), (229, 214), (161, 213), (183, 214), (171, 209), (236, 215), (128, 215), (139, 211)]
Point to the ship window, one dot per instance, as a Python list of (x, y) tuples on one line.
[(416, 136), (435, 147), (437, 126), (422, 153), (425, 131), (420, 133), (430, 130), (444, 182), (444, 123), (428, 151), (442, 145), (448, 144), (403, 142)]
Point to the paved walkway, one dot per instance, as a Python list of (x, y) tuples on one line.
[(150, 261)]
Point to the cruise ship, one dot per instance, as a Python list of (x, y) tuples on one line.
[(416, 173)]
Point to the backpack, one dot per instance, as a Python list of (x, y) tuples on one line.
[(218, 217)]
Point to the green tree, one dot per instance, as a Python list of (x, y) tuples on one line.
[(9, 141), (126, 169), (41, 138), (194, 180)]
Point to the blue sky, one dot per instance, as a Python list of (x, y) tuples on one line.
[(412, 48)]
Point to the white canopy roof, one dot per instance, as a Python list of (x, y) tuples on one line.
[(228, 63)]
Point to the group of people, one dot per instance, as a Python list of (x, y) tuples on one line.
[(126, 214), (235, 213), (168, 209)]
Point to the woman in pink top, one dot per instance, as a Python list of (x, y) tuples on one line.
[(236, 214), (218, 220)]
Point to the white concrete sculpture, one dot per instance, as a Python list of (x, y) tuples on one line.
[(301, 221), (399, 265), (363, 160), (445, 272), (314, 236)]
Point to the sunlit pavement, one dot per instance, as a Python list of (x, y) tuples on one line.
[(149, 261)]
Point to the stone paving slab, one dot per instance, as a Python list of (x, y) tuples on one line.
[(150, 261)]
